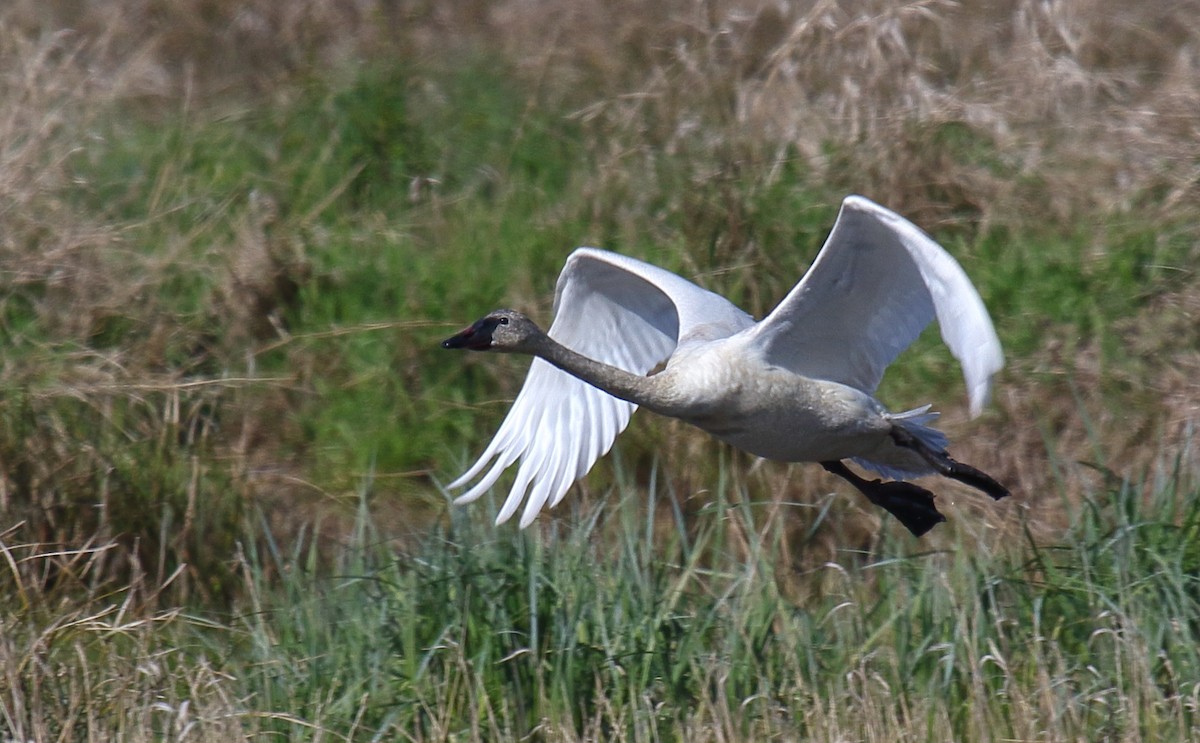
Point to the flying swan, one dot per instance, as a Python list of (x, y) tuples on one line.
[(795, 387)]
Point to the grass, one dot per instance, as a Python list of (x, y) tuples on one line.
[(626, 627), (224, 417)]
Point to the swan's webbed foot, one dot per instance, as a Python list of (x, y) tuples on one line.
[(911, 504), (944, 465)]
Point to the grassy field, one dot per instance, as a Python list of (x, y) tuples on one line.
[(231, 235)]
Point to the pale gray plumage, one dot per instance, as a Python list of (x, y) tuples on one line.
[(875, 285)]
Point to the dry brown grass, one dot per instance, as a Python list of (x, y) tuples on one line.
[(1094, 98), (964, 116), (1094, 101), (972, 118), (82, 660), (1026, 115), (998, 115)]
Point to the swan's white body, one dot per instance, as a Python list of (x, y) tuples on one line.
[(795, 387)]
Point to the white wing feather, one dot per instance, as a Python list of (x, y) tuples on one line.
[(876, 284), (614, 309)]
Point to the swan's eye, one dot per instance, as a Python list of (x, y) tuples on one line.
[(504, 321)]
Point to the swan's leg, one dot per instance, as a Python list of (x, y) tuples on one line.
[(947, 467), (911, 504)]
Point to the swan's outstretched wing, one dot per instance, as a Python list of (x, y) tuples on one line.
[(613, 309), (875, 285)]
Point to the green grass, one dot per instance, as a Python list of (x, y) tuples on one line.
[(224, 414), (356, 381), (616, 625)]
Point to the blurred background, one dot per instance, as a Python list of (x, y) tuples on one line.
[(232, 233)]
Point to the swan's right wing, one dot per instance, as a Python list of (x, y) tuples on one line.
[(610, 308)]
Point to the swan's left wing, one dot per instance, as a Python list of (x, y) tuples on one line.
[(876, 284), (614, 309)]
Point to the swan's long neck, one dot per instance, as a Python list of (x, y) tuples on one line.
[(654, 393)]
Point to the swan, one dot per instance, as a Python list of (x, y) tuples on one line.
[(796, 387)]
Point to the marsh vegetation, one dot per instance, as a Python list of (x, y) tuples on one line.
[(232, 233)]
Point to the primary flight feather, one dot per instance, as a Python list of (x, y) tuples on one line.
[(795, 387)]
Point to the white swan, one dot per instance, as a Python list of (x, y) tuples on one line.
[(795, 387)]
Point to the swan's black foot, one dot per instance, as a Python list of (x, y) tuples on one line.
[(911, 504), (947, 467)]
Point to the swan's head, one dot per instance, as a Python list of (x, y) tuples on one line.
[(506, 331)]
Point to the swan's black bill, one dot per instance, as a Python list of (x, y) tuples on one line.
[(477, 337)]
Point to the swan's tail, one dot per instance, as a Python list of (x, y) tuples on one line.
[(907, 464)]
